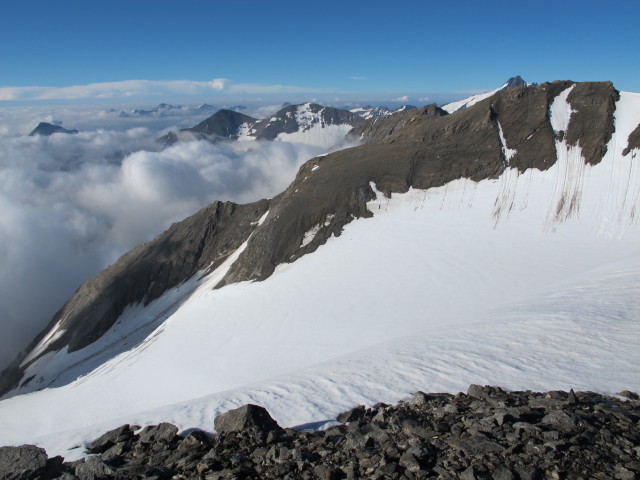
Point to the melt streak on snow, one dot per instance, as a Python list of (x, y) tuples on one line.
[(427, 294)]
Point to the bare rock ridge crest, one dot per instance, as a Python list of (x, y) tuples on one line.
[(420, 148)]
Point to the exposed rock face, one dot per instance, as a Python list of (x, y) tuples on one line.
[(633, 142), (487, 433), (21, 462), (47, 129), (380, 127), (224, 124), (592, 103)]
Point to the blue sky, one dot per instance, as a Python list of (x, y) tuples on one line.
[(296, 50)]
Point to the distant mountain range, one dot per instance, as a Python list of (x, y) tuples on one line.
[(305, 123), (166, 109)]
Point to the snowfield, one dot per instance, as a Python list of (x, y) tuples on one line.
[(530, 281)]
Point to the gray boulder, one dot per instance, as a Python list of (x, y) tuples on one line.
[(93, 468), (247, 416), (352, 415), (165, 432), (21, 462), (111, 438)]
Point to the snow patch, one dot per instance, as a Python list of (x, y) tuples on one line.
[(570, 165), (48, 339), (246, 133), (311, 234), (506, 151), (470, 101)]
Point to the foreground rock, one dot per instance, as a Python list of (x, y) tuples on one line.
[(487, 433), (247, 416)]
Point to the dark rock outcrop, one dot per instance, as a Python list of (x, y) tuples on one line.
[(633, 142), (381, 127), (592, 103), (22, 462), (111, 438), (516, 81), (46, 129), (224, 124), (486, 434)]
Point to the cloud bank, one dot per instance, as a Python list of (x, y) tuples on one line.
[(110, 90), (71, 204), (130, 89)]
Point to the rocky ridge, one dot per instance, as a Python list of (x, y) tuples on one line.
[(485, 433), (380, 127)]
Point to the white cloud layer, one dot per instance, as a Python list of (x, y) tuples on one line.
[(71, 204), (108, 90), (130, 89)]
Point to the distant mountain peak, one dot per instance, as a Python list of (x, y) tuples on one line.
[(46, 129), (206, 106), (516, 81)]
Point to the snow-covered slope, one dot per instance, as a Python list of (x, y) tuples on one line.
[(528, 280)]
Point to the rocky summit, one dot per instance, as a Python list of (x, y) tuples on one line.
[(485, 433)]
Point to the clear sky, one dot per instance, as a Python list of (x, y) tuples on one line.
[(328, 49)]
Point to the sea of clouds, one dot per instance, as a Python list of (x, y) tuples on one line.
[(71, 204)]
